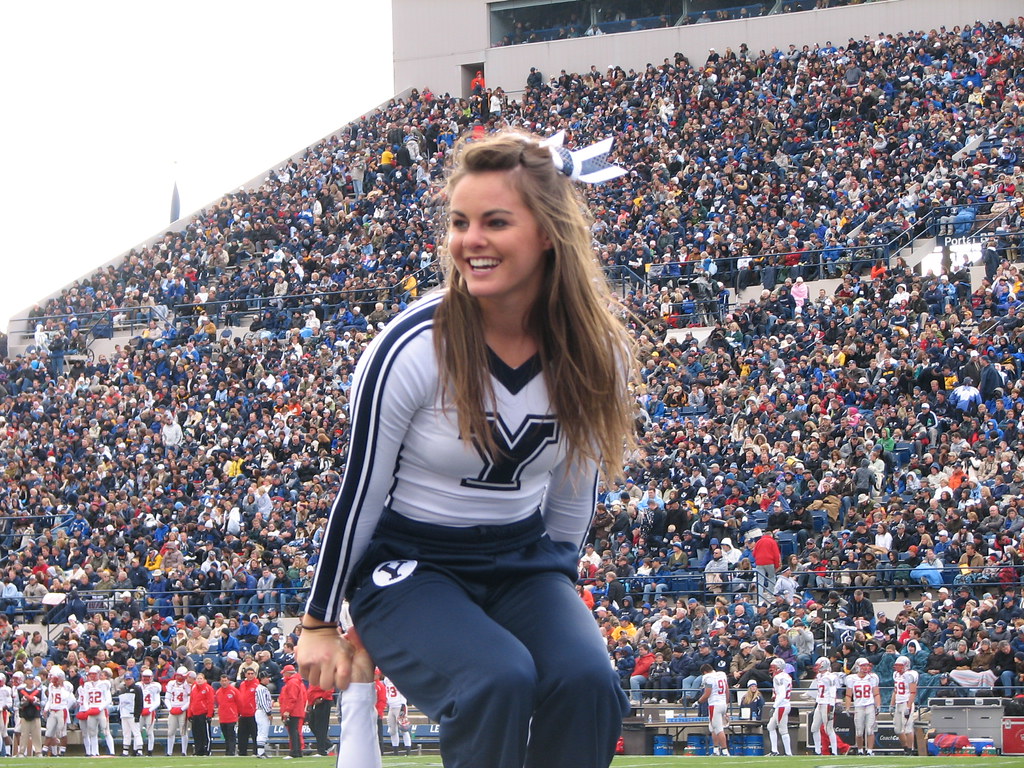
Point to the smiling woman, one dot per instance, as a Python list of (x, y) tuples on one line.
[(125, 98), (480, 419)]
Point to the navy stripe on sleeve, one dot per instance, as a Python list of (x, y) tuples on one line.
[(337, 559)]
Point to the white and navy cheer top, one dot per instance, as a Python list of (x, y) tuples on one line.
[(405, 453)]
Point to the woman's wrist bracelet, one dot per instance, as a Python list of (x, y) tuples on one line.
[(318, 627)]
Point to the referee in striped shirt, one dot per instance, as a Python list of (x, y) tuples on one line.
[(264, 705)]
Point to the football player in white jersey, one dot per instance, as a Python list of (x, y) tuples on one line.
[(826, 686), (863, 695), (17, 678), (107, 680), (92, 702), (150, 704), (6, 716), (60, 698), (778, 723), (177, 696), (397, 711), (716, 694), (904, 696)]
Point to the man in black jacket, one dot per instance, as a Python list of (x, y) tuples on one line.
[(615, 589), (862, 610), (940, 662), (801, 523)]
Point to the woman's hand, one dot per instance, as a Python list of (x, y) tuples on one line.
[(324, 656), (362, 665)]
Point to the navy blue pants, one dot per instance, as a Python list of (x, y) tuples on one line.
[(482, 630)]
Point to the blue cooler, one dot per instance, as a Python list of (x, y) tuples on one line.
[(699, 743), (663, 744), (755, 744)]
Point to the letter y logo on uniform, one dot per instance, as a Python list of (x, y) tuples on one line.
[(392, 572)]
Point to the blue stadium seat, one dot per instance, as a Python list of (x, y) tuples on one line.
[(903, 451), (820, 519), (788, 543), (692, 412)]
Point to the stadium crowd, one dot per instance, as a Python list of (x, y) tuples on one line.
[(166, 501)]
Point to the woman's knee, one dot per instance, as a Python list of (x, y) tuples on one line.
[(580, 676), (514, 674)]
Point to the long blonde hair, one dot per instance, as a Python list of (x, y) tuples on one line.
[(584, 349)]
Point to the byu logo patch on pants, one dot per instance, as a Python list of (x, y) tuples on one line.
[(392, 572)]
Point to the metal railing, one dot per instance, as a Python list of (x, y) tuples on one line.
[(104, 323), (170, 604), (692, 581)]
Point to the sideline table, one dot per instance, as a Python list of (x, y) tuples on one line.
[(638, 737)]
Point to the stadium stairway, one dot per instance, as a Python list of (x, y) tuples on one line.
[(918, 250), (30, 628)]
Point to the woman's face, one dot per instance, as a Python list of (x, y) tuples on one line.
[(496, 242)]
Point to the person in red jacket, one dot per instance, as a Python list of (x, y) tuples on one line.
[(767, 560), (164, 673), (645, 658), (320, 703), (478, 84), (200, 713), (382, 702), (226, 699), (292, 702), (247, 712)]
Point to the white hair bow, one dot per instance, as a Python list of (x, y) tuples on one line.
[(589, 165)]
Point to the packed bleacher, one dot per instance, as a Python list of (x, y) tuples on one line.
[(824, 449)]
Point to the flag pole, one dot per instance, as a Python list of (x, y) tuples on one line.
[(175, 199)]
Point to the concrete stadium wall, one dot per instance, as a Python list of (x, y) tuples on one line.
[(435, 43)]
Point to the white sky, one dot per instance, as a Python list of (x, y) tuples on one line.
[(106, 103)]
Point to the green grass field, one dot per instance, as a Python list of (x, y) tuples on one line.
[(620, 762)]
